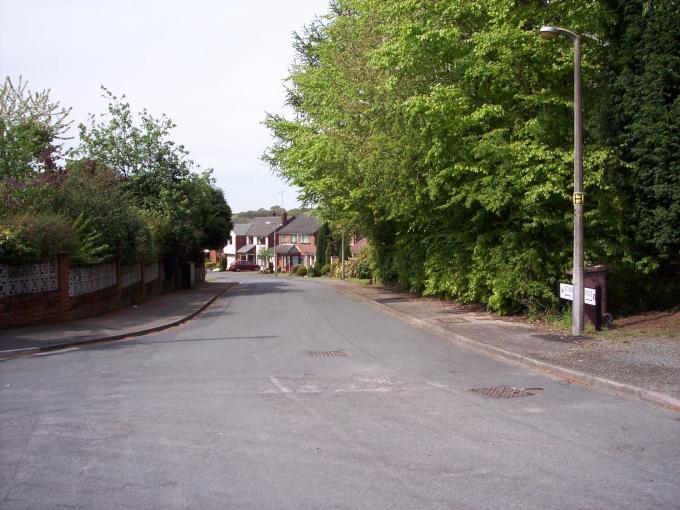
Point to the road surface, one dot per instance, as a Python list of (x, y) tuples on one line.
[(287, 395)]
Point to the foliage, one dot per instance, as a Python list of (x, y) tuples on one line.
[(223, 264), (26, 238), (442, 131), (325, 269), (358, 266), (276, 210), (641, 120), (209, 265), (185, 209), (301, 271), (322, 244), (31, 125)]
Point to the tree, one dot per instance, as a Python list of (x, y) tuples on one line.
[(438, 129), (185, 209), (31, 125), (321, 245), (640, 122)]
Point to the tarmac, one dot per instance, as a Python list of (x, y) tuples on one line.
[(646, 369)]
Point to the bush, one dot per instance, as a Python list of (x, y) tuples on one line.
[(223, 264), (325, 269), (358, 266), (294, 269), (30, 237), (301, 271), (209, 265)]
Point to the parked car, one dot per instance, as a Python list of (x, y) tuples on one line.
[(243, 265)]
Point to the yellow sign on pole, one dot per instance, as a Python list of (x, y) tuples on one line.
[(579, 198)]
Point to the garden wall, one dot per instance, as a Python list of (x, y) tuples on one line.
[(52, 291)]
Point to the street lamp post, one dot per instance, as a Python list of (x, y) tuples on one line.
[(549, 32)]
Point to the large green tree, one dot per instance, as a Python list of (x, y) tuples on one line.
[(443, 131)]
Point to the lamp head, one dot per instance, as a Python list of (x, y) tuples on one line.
[(548, 32)]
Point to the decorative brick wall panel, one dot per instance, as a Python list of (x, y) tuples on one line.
[(151, 272), (131, 275), (29, 279), (83, 280)]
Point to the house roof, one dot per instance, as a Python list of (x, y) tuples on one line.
[(240, 229), (260, 226), (245, 248), (264, 226), (287, 249), (302, 225)]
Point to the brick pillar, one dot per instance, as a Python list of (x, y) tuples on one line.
[(119, 283), (142, 267), (63, 268)]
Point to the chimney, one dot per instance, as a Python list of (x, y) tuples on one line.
[(284, 218)]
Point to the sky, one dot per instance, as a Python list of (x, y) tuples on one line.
[(215, 67)]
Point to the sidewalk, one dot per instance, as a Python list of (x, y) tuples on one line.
[(641, 365), (154, 314)]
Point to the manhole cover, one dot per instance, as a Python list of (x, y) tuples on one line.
[(504, 392), (328, 354)]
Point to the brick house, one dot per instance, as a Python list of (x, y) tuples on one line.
[(247, 240), (296, 243)]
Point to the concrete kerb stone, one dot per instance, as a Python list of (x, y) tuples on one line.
[(15, 353), (549, 369)]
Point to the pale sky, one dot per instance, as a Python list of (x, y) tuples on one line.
[(214, 67)]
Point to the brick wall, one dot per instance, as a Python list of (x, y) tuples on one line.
[(57, 305)]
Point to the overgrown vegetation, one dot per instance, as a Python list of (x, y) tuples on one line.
[(128, 192), (442, 131)]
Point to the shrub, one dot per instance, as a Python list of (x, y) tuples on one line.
[(358, 266), (294, 269), (30, 237), (325, 269), (209, 265), (301, 271), (223, 264)]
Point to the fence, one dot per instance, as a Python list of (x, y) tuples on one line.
[(52, 290)]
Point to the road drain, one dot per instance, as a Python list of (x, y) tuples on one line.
[(504, 392), (328, 354)]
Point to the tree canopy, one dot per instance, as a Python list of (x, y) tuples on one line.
[(442, 130)]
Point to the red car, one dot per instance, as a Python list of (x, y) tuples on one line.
[(243, 265)]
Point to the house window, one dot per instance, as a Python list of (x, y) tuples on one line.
[(305, 239), (293, 238), (249, 239), (260, 240)]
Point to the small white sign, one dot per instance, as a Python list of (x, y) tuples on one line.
[(567, 292), (589, 296)]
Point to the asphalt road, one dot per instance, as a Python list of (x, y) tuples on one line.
[(286, 395)]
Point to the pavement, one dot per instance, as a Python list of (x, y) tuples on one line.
[(647, 369), (155, 314)]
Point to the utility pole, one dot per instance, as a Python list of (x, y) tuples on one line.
[(550, 32), (342, 256)]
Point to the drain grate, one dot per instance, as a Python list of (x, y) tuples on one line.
[(504, 392), (328, 354)]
